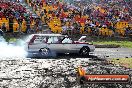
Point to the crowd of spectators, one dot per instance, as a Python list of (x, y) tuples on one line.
[(16, 13), (84, 18), (81, 18), (11, 9)]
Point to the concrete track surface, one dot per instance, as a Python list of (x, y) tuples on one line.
[(52, 73), (113, 52), (60, 72)]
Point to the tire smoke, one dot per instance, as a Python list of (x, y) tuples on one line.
[(11, 49)]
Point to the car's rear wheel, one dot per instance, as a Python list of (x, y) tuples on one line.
[(45, 52), (84, 51)]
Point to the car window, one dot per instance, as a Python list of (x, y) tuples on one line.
[(67, 40), (50, 40), (56, 40), (40, 39), (37, 40), (44, 39)]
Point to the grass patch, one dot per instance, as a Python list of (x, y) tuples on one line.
[(126, 44), (127, 62)]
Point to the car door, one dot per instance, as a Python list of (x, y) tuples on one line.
[(69, 45), (54, 44)]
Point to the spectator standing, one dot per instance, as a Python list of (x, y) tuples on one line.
[(3, 27), (20, 23)]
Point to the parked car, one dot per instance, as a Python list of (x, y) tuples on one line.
[(52, 44)]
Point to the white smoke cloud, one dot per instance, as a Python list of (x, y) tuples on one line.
[(9, 50)]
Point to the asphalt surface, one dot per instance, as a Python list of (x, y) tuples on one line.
[(61, 71)]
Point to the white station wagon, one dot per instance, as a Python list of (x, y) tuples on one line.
[(52, 44)]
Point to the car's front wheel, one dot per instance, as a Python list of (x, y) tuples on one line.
[(84, 51)]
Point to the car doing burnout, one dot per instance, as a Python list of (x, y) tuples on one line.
[(52, 44)]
